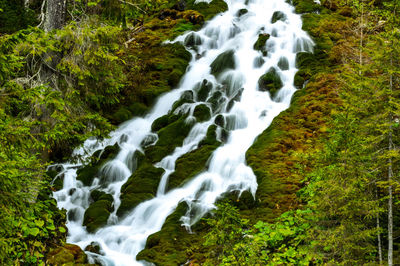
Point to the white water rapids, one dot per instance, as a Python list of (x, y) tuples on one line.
[(122, 239)]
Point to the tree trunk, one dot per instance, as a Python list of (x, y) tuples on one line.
[(56, 12)]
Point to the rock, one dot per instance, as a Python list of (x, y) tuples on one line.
[(216, 100), (67, 254), (187, 95), (242, 11), (192, 40), (223, 62), (163, 121), (204, 90), (98, 212), (202, 113), (278, 15), (94, 247), (260, 44), (270, 82), (258, 62), (123, 114), (283, 63), (220, 120)]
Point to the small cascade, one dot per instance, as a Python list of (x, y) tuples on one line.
[(241, 77)]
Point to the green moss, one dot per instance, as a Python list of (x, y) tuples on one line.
[(121, 115), (98, 212), (68, 254), (163, 121), (208, 10), (194, 162), (260, 45), (87, 174), (203, 90), (223, 62), (169, 137), (278, 15), (168, 247), (202, 113), (270, 82), (306, 6), (141, 186)]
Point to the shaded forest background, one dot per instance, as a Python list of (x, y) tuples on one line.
[(329, 166)]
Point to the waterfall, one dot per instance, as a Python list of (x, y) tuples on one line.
[(246, 109)]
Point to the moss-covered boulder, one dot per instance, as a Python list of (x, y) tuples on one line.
[(98, 212), (169, 137), (159, 249), (203, 90), (217, 101), (283, 63), (68, 254), (202, 113), (87, 174), (270, 82), (223, 62), (141, 186), (219, 120), (278, 15), (194, 162), (192, 40), (260, 44), (208, 10), (163, 121)]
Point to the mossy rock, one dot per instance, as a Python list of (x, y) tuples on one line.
[(299, 80), (258, 62), (123, 114), (163, 121), (202, 113), (87, 174), (203, 90), (260, 44), (138, 109), (208, 10), (142, 185), (242, 12), (223, 62), (130, 201), (219, 120), (68, 254), (192, 40), (278, 15), (193, 163), (217, 101), (169, 137), (306, 6), (270, 82), (187, 95), (107, 153), (98, 212), (165, 246), (283, 63)]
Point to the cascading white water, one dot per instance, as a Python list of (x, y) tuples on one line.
[(251, 113)]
